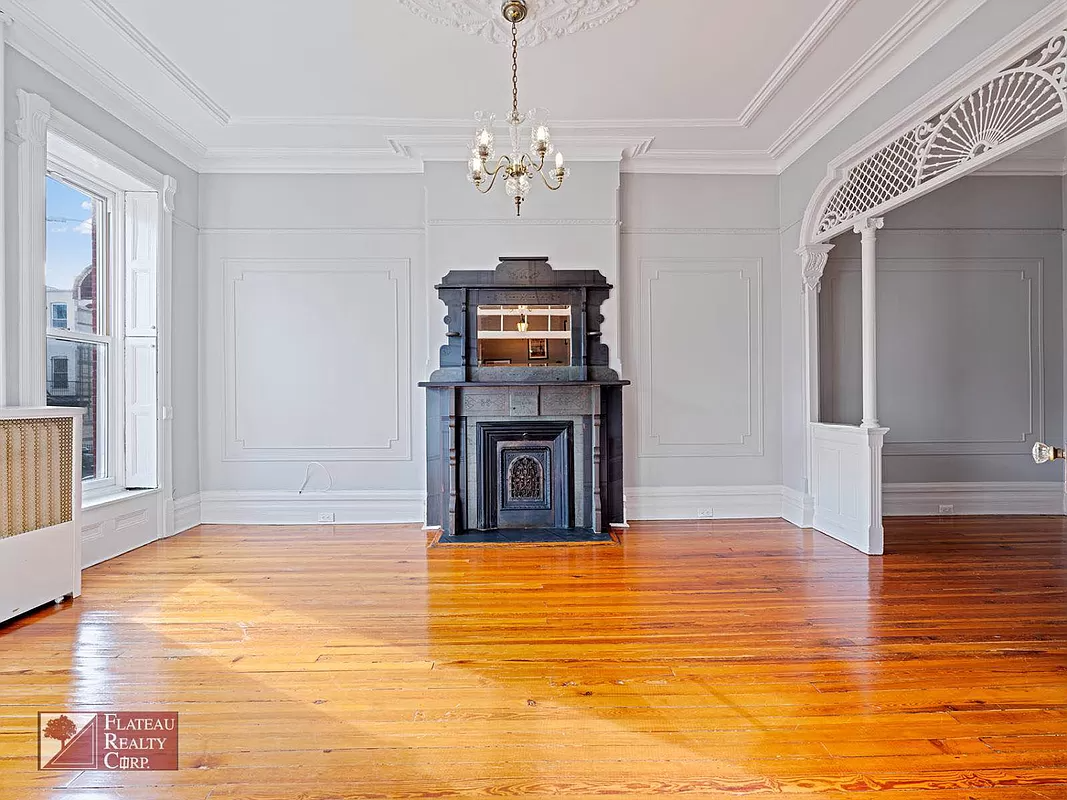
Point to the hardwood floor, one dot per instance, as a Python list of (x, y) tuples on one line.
[(714, 659)]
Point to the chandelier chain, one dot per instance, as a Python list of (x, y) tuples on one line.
[(515, 69)]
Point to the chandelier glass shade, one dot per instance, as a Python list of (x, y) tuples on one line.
[(520, 165)]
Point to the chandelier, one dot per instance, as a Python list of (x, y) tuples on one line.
[(517, 167)]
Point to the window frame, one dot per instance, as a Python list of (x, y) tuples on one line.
[(110, 323)]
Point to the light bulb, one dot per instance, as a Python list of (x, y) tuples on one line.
[(559, 160), (542, 134)]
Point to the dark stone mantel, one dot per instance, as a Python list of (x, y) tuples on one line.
[(554, 432)]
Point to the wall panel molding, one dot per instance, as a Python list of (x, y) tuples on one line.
[(1030, 272), (379, 439), (666, 285)]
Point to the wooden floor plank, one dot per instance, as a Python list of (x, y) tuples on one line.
[(711, 659)]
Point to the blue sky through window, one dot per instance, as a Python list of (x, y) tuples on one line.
[(69, 242)]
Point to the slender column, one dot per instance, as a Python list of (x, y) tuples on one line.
[(868, 231)]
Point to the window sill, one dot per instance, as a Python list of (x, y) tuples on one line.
[(111, 496)]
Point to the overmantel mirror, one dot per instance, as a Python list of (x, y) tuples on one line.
[(524, 335)]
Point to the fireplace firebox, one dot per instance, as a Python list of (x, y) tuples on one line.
[(524, 415)]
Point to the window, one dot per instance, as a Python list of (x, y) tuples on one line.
[(77, 267), (60, 378), (101, 248), (59, 316)]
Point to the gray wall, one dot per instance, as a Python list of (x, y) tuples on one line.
[(970, 331), (25, 74)]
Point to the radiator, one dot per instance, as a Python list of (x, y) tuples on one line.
[(40, 499), (35, 482)]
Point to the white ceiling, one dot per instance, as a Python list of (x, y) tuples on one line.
[(365, 85)]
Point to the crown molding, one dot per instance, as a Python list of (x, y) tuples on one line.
[(893, 53), (46, 47), (109, 14), (316, 160), (811, 39), (342, 121), (702, 162), (580, 146)]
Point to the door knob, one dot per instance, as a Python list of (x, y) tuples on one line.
[(1044, 453)]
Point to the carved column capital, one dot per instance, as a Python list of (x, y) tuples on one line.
[(813, 258), (868, 227), (34, 115)]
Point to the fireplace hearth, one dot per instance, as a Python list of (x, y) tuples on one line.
[(524, 415)]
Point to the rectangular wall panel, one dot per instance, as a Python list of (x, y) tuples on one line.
[(960, 355), (700, 348), (317, 359)]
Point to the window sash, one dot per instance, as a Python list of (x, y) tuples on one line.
[(108, 400)]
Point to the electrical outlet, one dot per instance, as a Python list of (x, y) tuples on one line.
[(945, 509), (705, 513), (326, 516)]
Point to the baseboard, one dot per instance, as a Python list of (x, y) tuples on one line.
[(972, 499), (292, 508), (717, 502), (798, 508), (186, 513), (651, 503)]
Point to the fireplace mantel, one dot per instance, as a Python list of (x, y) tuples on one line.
[(524, 415)]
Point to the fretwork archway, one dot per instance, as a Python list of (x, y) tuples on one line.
[(964, 125)]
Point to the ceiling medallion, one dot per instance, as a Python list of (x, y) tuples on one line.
[(517, 167), (548, 19)]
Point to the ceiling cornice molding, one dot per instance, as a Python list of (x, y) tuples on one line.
[(812, 38), (866, 77), (45, 46), (109, 14), (702, 162), (315, 160), (465, 125), (577, 146)]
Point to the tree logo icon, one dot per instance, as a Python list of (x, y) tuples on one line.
[(61, 728), (67, 740)]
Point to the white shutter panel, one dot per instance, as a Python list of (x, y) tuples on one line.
[(141, 428), (142, 253), (142, 425)]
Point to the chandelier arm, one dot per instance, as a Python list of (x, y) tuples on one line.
[(492, 181), (503, 161), (549, 185)]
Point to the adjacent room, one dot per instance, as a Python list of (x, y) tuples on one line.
[(529, 398)]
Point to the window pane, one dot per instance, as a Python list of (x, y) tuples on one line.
[(75, 378), (72, 250)]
